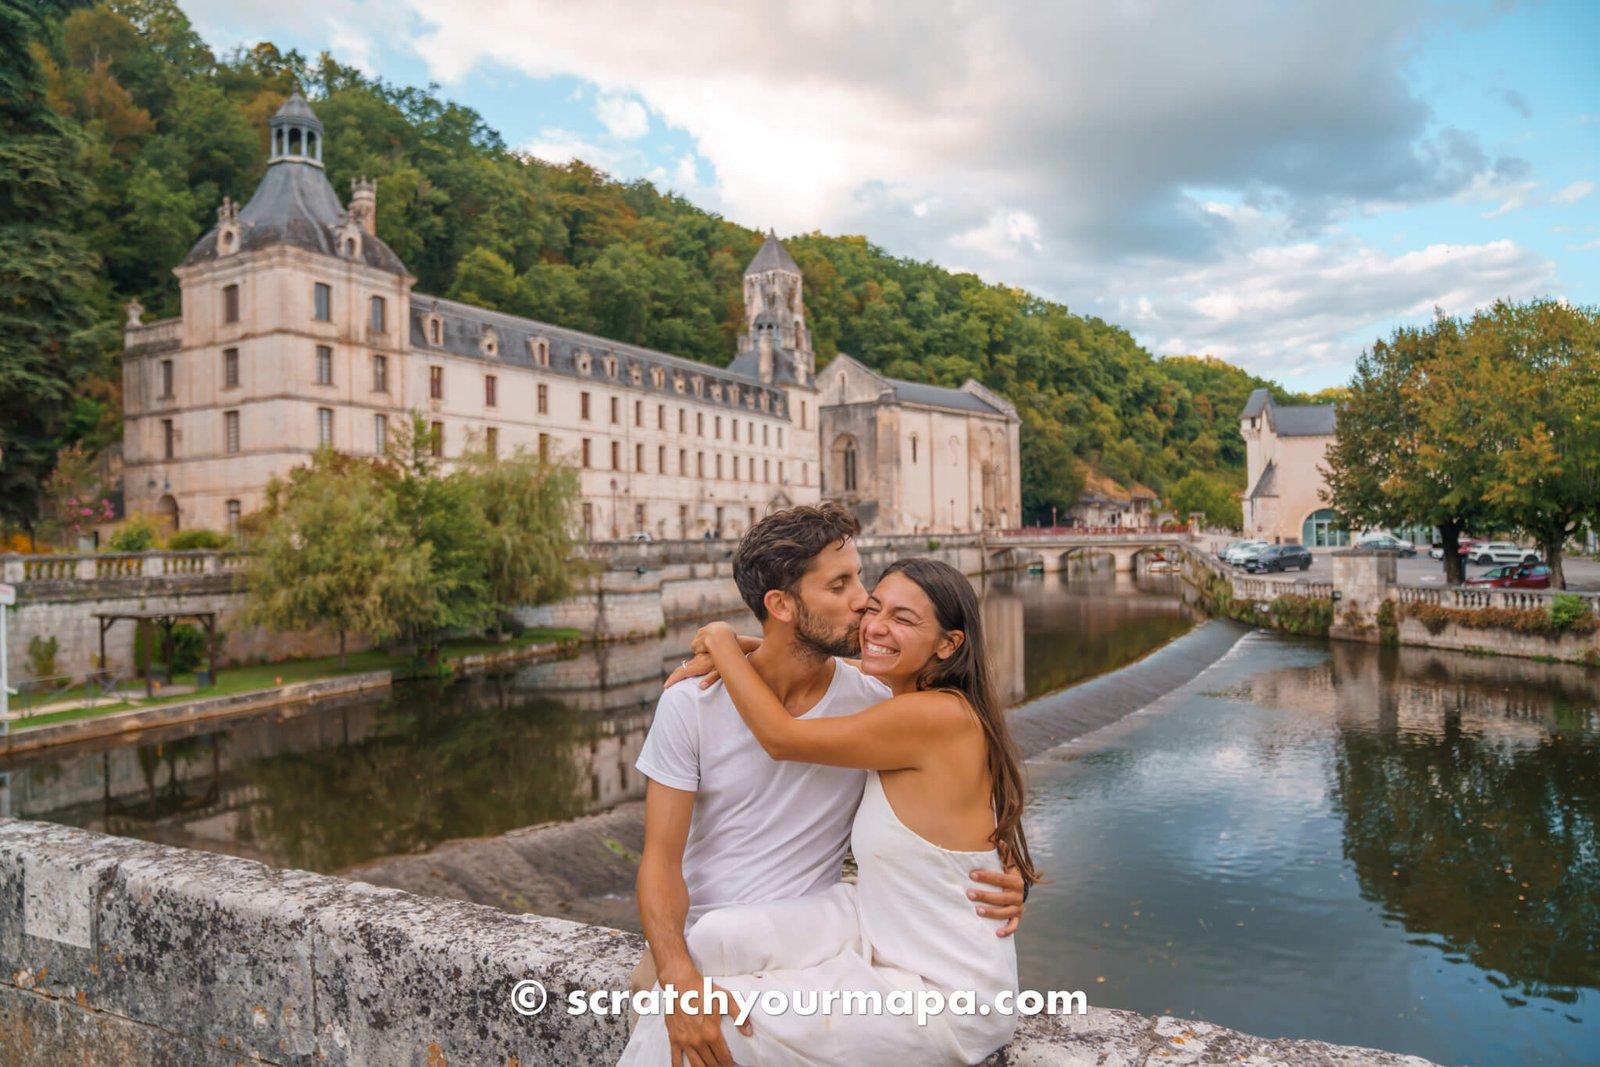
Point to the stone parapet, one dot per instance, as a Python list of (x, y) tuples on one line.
[(119, 951)]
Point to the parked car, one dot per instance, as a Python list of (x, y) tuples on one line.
[(1514, 576), (1280, 558), (1237, 554), (1463, 546), (1501, 552), (1222, 553), (1387, 542)]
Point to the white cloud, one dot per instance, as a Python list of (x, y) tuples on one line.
[(1586, 246), (554, 145), (1573, 193), (622, 117)]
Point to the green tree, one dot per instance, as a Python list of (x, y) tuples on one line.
[(330, 549), (1540, 361), (1208, 493), (1411, 446), (47, 272), (528, 511)]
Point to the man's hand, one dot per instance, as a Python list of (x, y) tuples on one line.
[(1004, 903), (696, 1036)]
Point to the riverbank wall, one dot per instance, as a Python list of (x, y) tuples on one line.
[(1364, 602), (632, 590), (127, 952)]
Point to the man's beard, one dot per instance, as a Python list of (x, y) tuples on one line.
[(810, 634)]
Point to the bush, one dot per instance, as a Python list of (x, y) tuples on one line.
[(135, 535), (189, 540), (1568, 612), (1517, 620), (933, 545), (188, 648), (42, 655)]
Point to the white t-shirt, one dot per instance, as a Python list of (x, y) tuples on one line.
[(762, 829)]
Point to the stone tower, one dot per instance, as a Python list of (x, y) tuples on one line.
[(775, 337)]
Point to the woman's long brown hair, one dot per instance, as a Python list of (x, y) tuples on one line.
[(967, 672)]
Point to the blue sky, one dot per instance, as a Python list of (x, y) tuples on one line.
[(1274, 183)]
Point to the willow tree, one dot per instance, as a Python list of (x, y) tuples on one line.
[(1410, 446), (331, 550)]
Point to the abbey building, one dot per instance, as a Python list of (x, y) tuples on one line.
[(301, 329)]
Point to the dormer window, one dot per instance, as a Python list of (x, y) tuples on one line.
[(489, 343), (699, 386), (611, 367), (435, 330), (657, 376), (539, 351), (766, 401), (582, 362), (716, 392), (733, 394), (635, 375), (350, 247), (677, 384)]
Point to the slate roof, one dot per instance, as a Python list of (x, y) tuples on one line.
[(1267, 484), (939, 397), (1311, 420), (295, 110), (462, 328), (772, 256)]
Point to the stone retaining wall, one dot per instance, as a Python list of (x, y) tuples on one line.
[(126, 952)]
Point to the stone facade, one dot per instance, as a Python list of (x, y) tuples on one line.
[(301, 329), (910, 458), (1285, 451)]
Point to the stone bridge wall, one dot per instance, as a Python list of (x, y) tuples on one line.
[(124, 952)]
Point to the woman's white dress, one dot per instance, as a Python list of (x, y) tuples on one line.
[(905, 925)]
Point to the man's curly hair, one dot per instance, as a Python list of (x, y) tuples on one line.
[(776, 552)]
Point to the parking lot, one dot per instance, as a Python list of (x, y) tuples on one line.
[(1583, 574)]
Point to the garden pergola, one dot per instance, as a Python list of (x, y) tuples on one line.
[(166, 620)]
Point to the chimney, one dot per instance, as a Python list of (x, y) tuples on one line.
[(364, 204)]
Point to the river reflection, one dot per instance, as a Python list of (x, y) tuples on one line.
[(1395, 849), (334, 785)]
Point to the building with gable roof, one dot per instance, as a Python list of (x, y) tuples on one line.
[(1285, 490), (301, 329)]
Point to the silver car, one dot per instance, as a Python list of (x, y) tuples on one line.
[(1244, 550)]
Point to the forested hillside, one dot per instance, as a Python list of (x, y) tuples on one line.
[(164, 129)]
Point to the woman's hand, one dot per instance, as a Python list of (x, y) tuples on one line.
[(699, 665), (712, 638)]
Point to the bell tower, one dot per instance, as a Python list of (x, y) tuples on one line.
[(775, 317)]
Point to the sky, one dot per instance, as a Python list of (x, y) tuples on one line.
[(1274, 183)]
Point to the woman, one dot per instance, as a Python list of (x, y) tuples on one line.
[(944, 798)]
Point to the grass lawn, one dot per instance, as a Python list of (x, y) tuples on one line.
[(253, 677)]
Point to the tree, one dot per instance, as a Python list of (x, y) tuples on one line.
[(528, 513), (1540, 362), (1197, 491), (330, 549), (46, 270), (1411, 446)]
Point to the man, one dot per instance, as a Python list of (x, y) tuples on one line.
[(724, 823)]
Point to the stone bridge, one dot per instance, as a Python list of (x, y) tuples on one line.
[(1053, 547)]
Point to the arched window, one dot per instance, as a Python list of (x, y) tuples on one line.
[(850, 468), (294, 142), (1324, 529), (844, 472)]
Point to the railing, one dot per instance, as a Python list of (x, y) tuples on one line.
[(1063, 532), (162, 331), (1477, 598), (116, 567)]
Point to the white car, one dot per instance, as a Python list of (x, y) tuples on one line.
[(1501, 552), (1384, 539), (1237, 554)]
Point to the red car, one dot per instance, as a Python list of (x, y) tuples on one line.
[(1514, 576)]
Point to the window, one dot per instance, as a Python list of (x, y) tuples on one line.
[(230, 303), (638, 516), (735, 429), (436, 438), (719, 465), (380, 374), (616, 410), (661, 416), (169, 438), (377, 314), (780, 471), (850, 467), (913, 448), (661, 459), (766, 470), (583, 406), (588, 520), (719, 427), (321, 302), (544, 448), (324, 365), (683, 461), (230, 429), (802, 423), (435, 383), (588, 453), (235, 513), (638, 458), (435, 329), (380, 434), (805, 474), (616, 455), (544, 399), (540, 349), (489, 390), (780, 435), (735, 468), (764, 440), (700, 423), (166, 379), (700, 464), (681, 416), (491, 441), (749, 433), (230, 368), (638, 412), (324, 427)]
